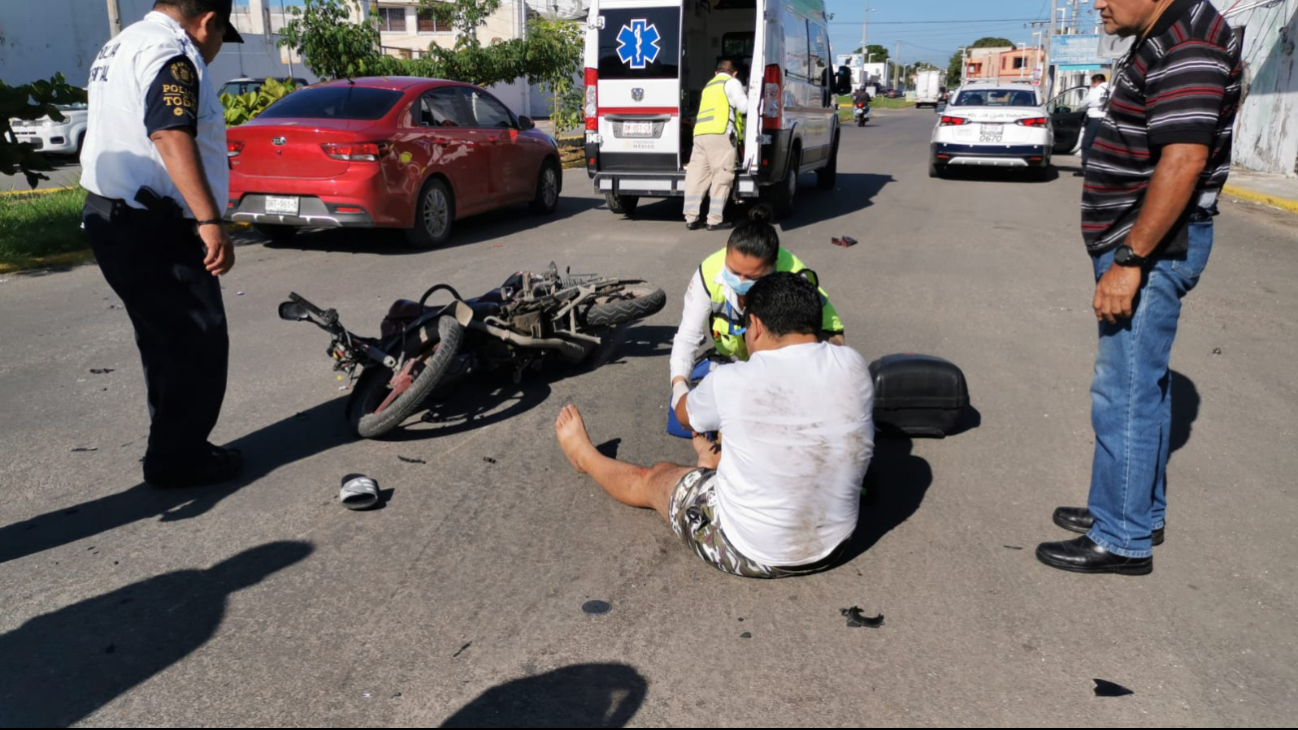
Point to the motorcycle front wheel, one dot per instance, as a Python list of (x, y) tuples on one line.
[(382, 399)]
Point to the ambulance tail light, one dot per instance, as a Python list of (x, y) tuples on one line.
[(772, 93), (592, 100)]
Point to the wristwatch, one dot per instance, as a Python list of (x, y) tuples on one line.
[(1124, 256)]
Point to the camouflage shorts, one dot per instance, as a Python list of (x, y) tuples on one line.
[(695, 520)]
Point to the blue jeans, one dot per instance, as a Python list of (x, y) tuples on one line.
[(1131, 402)]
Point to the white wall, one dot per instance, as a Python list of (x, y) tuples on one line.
[(1266, 132), (41, 37)]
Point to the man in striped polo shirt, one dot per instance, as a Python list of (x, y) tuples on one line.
[(1150, 194)]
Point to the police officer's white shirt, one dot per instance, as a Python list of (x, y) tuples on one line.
[(1095, 101), (118, 158)]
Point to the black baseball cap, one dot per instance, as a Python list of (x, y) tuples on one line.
[(223, 8)]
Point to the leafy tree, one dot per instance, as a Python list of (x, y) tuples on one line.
[(243, 107), (879, 53), (27, 102), (331, 45)]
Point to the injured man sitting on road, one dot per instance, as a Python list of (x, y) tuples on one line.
[(781, 496)]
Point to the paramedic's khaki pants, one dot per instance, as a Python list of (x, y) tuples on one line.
[(711, 172)]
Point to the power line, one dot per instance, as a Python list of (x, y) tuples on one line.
[(932, 22)]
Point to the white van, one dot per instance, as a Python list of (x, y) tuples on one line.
[(647, 62)]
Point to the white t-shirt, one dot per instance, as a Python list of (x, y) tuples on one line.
[(797, 433), (1095, 101), (118, 157)]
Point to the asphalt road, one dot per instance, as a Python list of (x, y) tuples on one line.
[(460, 602), (66, 172)]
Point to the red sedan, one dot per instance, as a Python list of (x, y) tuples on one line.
[(408, 153)]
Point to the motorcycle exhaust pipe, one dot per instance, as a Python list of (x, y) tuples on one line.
[(570, 351)]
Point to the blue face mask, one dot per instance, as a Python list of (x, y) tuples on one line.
[(740, 286)]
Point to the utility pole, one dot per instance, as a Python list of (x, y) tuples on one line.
[(114, 18), (964, 65), (901, 81)]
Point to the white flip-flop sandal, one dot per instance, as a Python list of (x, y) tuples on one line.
[(359, 492)]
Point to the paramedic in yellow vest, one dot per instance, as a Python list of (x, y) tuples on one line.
[(714, 300), (716, 133)]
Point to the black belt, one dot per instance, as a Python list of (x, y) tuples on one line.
[(115, 210)]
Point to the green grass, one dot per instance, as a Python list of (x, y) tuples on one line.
[(37, 226), (882, 103)]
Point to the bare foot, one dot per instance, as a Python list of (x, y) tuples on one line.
[(573, 439), (709, 452)]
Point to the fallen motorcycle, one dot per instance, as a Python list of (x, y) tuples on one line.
[(526, 320)]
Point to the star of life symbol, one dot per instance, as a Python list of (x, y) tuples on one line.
[(638, 44)]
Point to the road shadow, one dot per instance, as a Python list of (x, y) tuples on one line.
[(579, 696), (291, 439), (1018, 176), (894, 489), (503, 227), (63, 666), (853, 191), (1185, 410), (488, 398)]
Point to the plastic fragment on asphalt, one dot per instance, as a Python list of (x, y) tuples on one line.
[(409, 460), (596, 608), (83, 449), (100, 371), (856, 619), (1105, 688)]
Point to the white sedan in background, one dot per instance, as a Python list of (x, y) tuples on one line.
[(993, 125), (59, 138)]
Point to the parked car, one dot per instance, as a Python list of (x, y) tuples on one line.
[(647, 62), (993, 125), (410, 153), (60, 138), (249, 85)]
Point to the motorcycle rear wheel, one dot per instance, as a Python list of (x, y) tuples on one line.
[(635, 301), (374, 409)]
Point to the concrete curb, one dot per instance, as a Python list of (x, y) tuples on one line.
[(1285, 204), (33, 193), (71, 258)]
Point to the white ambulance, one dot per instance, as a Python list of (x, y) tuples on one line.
[(647, 62)]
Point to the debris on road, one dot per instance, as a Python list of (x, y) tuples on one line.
[(746, 635), (1012, 547), (100, 371), (1216, 350), (462, 650), (489, 460), (596, 608), (845, 241), (409, 460), (358, 492), (1105, 688), (84, 449), (856, 619)]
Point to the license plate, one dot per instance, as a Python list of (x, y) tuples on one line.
[(283, 206), (991, 133), (637, 129)]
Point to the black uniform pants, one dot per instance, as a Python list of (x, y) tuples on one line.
[(156, 267), (1088, 138)]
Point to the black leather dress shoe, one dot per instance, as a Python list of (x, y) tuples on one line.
[(725, 226), (1078, 519), (1082, 555), (694, 226)]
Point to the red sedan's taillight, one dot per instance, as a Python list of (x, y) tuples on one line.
[(953, 121), (233, 148), (592, 100), (357, 151), (1033, 122)]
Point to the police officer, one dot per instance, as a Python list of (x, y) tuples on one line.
[(155, 168), (712, 163)]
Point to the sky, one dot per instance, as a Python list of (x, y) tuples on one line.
[(929, 30), (926, 28)]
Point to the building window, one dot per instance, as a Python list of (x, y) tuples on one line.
[(1020, 62), (392, 20), (435, 20)]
